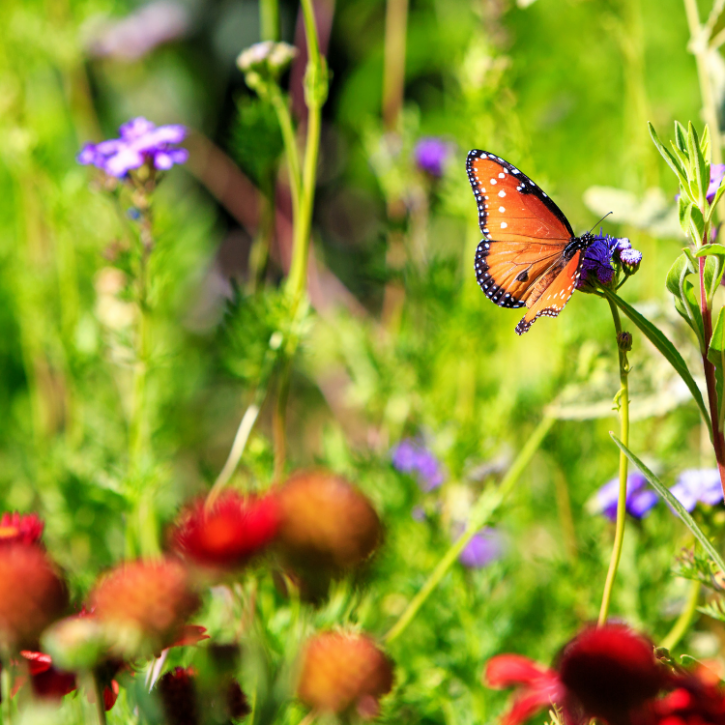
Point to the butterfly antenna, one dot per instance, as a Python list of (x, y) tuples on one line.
[(601, 220)]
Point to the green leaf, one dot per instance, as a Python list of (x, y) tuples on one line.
[(667, 495), (708, 249), (705, 143), (697, 226), (699, 167), (684, 208), (681, 137), (714, 265), (671, 160), (684, 293), (664, 345)]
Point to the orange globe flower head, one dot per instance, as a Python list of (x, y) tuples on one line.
[(343, 672), (227, 534), (326, 523), (32, 595), (143, 605), (20, 528)]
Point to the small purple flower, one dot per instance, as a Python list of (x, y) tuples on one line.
[(601, 257), (717, 171), (430, 155), (141, 142), (698, 485), (485, 547), (597, 264), (411, 456), (640, 499)]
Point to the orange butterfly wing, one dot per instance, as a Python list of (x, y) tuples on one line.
[(529, 255)]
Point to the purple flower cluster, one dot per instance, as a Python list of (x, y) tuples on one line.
[(430, 155), (602, 256), (485, 547), (717, 172), (141, 142), (412, 457), (698, 485), (640, 499)]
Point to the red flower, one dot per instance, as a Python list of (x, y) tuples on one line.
[(227, 534), (540, 687), (46, 680), (20, 528), (607, 672), (698, 698)]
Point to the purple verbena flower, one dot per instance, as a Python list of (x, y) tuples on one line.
[(141, 142), (485, 547), (640, 499), (430, 155), (698, 485), (411, 456), (717, 172)]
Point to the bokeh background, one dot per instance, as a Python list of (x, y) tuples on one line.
[(402, 343)]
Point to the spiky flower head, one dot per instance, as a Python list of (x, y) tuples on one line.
[(32, 595), (143, 605), (341, 672), (326, 523), (227, 534)]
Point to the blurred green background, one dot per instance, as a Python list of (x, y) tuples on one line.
[(402, 342)]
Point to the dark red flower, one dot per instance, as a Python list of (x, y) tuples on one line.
[(46, 680), (698, 699), (20, 528), (607, 672), (227, 534)]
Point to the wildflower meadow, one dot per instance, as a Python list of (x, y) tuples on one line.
[(362, 361)]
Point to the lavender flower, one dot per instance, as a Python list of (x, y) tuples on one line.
[(430, 155), (411, 456), (640, 499), (717, 172), (698, 485), (140, 32), (485, 547), (141, 142)]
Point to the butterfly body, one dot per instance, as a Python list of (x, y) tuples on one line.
[(529, 255)]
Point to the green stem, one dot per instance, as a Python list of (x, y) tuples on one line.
[(680, 627), (487, 504), (623, 401), (315, 96), (269, 19), (281, 107), (396, 24), (6, 689), (699, 40), (279, 426)]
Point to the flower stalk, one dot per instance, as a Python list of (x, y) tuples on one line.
[(487, 505), (624, 345)]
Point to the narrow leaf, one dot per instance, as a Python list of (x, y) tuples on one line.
[(708, 249), (697, 226), (714, 266), (681, 137), (705, 143), (671, 160), (718, 195), (716, 355), (667, 495), (665, 346), (696, 164), (683, 291)]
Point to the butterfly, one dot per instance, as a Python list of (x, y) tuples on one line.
[(529, 255)]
